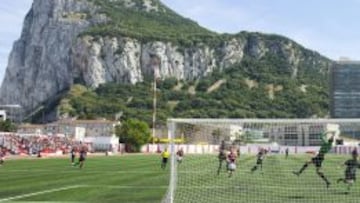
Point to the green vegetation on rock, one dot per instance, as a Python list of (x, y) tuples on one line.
[(252, 89), (275, 77), (160, 24)]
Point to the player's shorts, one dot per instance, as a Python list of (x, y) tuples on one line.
[(232, 166), (350, 176), (259, 161), (317, 160), (164, 160), (82, 159), (179, 158)]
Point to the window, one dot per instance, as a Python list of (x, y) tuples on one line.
[(290, 136), (315, 132), (290, 133), (266, 135), (314, 136), (289, 129)]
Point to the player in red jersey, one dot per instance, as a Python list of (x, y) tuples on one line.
[(180, 155), (82, 156), (231, 162), (2, 156)]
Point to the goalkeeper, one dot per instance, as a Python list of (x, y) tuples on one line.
[(319, 158)]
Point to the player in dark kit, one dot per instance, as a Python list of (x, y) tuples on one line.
[(2, 156), (222, 158), (259, 161), (350, 171), (82, 157), (286, 153), (72, 155), (319, 158)]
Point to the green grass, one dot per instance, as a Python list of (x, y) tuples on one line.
[(135, 178), (138, 178), (198, 182)]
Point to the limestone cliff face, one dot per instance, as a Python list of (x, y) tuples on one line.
[(51, 54), (40, 63), (126, 60)]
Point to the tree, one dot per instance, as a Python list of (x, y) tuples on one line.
[(133, 133), (7, 126), (168, 83), (216, 135), (245, 137)]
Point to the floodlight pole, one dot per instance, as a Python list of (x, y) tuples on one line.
[(154, 110)]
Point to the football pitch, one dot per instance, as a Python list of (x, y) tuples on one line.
[(115, 179), (139, 179)]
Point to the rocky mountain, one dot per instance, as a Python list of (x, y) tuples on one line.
[(92, 42)]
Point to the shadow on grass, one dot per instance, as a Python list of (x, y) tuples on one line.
[(341, 193), (296, 197)]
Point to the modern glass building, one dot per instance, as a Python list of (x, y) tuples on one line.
[(345, 90)]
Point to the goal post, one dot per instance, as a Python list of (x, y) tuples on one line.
[(171, 137), (203, 176)]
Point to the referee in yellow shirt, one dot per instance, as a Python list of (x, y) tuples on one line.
[(165, 156)]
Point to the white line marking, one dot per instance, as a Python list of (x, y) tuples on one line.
[(154, 187), (97, 171), (39, 193), (128, 187), (196, 187), (180, 187), (125, 186), (77, 170)]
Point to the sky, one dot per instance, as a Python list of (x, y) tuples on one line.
[(330, 27), (12, 14)]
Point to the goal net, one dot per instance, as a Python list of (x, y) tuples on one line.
[(262, 160)]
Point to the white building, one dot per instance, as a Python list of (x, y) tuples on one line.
[(3, 115)]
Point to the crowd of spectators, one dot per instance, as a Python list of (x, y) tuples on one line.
[(34, 144)]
